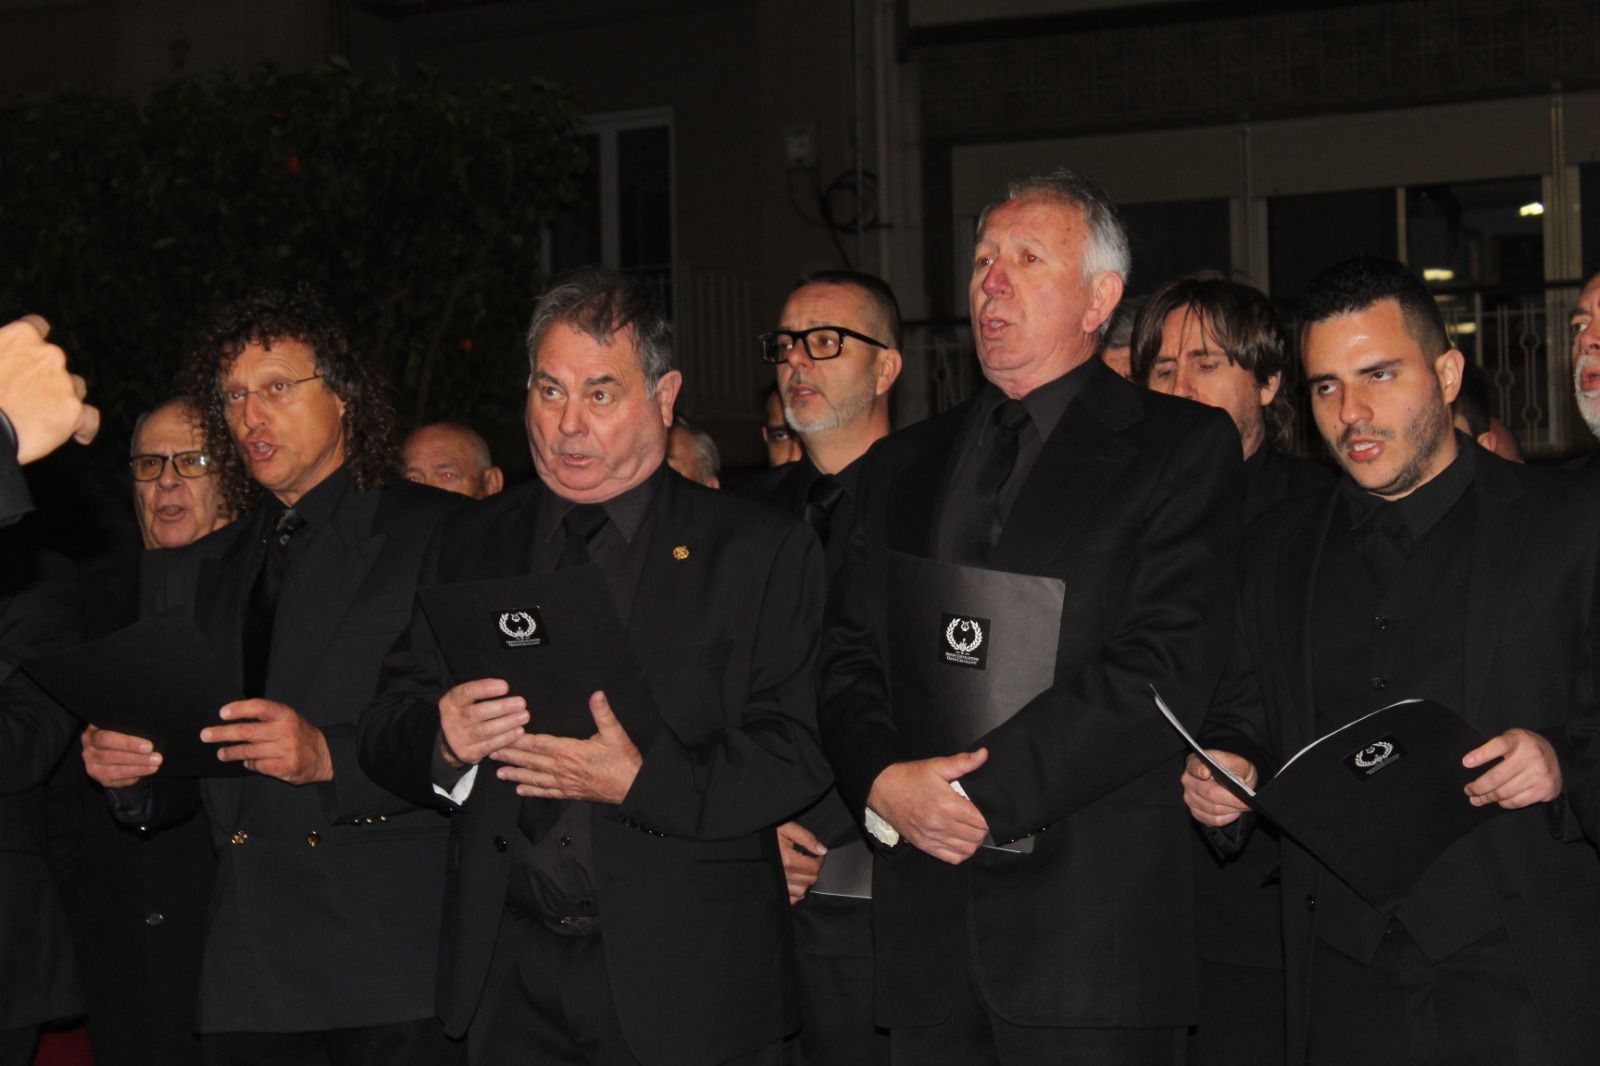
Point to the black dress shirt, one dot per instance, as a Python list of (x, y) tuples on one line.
[(1046, 405)]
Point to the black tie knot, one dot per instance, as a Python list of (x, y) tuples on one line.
[(580, 526), (289, 523), (1010, 416), (821, 498)]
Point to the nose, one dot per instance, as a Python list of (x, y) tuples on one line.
[(253, 409), (169, 474), (996, 282), (1183, 382), (1353, 407), (572, 422), (798, 356)]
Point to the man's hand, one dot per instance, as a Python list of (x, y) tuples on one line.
[(802, 856), (43, 401), (600, 769), (1528, 773), (279, 743), (117, 760), (916, 798), (477, 719), (1209, 803)]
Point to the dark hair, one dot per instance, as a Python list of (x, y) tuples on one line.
[(266, 317), (880, 297), (1357, 284), (601, 303), (1239, 319), (1472, 401), (1119, 330)]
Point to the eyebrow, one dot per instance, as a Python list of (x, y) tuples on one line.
[(604, 379), (1382, 364)]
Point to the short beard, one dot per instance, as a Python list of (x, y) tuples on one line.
[(1588, 406), (1426, 433), (839, 414)]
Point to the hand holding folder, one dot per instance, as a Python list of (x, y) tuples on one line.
[(1376, 800)]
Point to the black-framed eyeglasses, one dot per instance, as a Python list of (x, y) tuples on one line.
[(820, 342), (148, 467), (276, 392)]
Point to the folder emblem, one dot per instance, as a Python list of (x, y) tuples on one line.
[(964, 641), (1375, 756), (522, 628)]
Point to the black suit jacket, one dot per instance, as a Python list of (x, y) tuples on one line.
[(1531, 660), (38, 616), (691, 890), (1132, 502), (326, 908)]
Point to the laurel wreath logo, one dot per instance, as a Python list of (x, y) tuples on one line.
[(518, 625), (966, 645), (1373, 754)]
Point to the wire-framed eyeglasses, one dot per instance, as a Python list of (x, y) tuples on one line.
[(276, 392), (819, 342), (149, 466)]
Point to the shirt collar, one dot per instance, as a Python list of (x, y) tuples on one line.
[(1425, 505), (1045, 404), (627, 510), (317, 505)]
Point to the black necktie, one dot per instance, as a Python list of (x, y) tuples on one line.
[(263, 605), (980, 530), (580, 525), (821, 498)]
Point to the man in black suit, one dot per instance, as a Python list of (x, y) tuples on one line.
[(1082, 950), (1219, 342), (324, 923), (837, 353), (618, 899), (1434, 569)]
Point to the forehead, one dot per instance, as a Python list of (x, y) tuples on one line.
[(437, 444), (284, 356), (168, 427), (1186, 329), (1350, 340), (825, 305), (570, 355), (1589, 298), (1035, 218)]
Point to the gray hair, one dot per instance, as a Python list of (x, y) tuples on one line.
[(183, 403), (1107, 248), (601, 303), (475, 442), (707, 459)]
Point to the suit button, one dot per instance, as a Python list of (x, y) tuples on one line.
[(1311, 902), (313, 838), (565, 841), (239, 836), (1379, 683), (501, 843), (1381, 621), (143, 830), (155, 918)]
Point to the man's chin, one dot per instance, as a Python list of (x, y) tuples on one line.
[(1589, 408)]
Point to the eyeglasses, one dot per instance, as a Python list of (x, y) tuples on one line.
[(820, 342), (187, 464), (276, 393)]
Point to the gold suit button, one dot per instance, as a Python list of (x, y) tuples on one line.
[(239, 836), (313, 838)]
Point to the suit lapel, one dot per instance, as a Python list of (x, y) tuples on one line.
[(319, 592), (222, 592), (917, 487), (1498, 529)]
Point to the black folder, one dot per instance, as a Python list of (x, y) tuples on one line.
[(159, 679), (1378, 799), (968, 648), (554, 638)]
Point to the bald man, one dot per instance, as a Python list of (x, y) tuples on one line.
[(452, 457)]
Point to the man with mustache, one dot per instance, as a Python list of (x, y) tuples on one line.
[(837, 356), (1433, 569)]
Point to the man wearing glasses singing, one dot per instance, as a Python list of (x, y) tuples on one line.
[(174, 495), (837, 355), (325, 914)]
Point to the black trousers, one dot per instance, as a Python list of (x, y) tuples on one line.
[(833, 954), (417, 1043), (973, 1035), (547, 1002), (1471, 1008), (16, 1045)]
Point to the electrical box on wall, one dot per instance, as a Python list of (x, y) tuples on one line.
[(800, 147)]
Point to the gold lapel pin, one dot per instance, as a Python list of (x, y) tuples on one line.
[(681, 552)]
